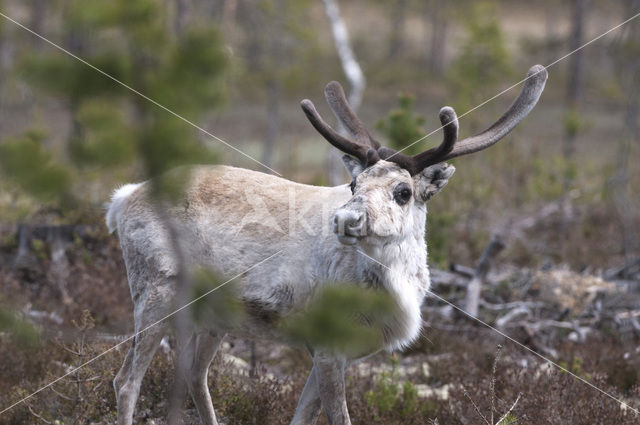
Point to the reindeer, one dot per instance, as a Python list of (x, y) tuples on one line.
[(372, 232)]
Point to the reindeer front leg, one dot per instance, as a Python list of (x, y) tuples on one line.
[(329, 373)]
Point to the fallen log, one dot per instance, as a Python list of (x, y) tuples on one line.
[(475, 286)]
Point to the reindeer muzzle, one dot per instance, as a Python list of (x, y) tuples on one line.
[(349, 225)]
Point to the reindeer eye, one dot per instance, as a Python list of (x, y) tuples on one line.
[(402, 194)]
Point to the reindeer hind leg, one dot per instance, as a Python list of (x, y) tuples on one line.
[(150, 330), (207, 345), (144, 348), (125, 370)]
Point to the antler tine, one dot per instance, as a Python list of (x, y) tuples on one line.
[(337, 100), (449, 148), (449, 121), (415, 164), (524, 103), (364, 153)]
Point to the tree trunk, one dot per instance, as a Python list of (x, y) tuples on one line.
[(437, 18), (576, 38), (273, 120), (396, 44), (354, 75), (551, 20), (574, 77), (37, 19), (227, 15), (76, 43), (574, 74), (181, 16), (6, 64), (621, 188), (572, 121), (626, 57), (215, 9), (274, 85), (249, 18)]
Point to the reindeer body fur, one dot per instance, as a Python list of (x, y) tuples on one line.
[(231, 218)]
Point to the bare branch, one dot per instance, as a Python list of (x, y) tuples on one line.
[(510, 409), (475, 406)]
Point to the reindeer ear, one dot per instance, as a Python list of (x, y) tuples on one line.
[(431, 180), (354, 167)]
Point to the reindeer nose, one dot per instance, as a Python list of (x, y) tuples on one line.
[(349, 223)]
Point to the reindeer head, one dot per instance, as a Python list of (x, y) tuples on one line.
[(388, 186)]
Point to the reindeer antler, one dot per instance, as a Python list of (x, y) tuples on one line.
[(415, 164), (342, 110), (369, 151), (365, 152)]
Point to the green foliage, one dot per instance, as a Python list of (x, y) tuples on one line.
[(191, 80), (163, 147), (143, 21), (39, 248), (20, 331), (219, 305), (575, 366), (385, 395), (24, 161), (75, 81), (112, 127), (543, 182), (107, 140), (510, 419), (343, 318), (390, 398), (439, 237), (483, 59), (285, 49), (410, 401), (572, 122), (403, 126)]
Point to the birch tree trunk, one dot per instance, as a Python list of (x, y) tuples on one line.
[(628, 62), (355, 78), (572, 120)]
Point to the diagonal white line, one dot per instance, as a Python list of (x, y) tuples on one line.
[(522, 81), (622, 403), (175, 114), (248, 156), (136, 334)]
